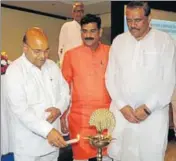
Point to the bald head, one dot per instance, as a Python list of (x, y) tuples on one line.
[(78, 4), (36, 46), (35, 36), (78, 11)]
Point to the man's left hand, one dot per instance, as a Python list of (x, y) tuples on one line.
[(54, 114), (140, 112)]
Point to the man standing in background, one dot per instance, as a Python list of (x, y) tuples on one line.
[(37, 95), (70, 34), (140, 78)]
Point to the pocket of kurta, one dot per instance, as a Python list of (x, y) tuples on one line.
[(34, 93), (102, 70), (151, 61), (124, 62)]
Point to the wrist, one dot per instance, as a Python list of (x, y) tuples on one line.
[(49, 132)]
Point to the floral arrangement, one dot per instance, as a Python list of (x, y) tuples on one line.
[(4, 62)]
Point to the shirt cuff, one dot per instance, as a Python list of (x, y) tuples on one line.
[(151, 104), (47, 127), (120, 104)]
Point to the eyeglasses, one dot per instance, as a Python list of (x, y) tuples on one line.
[(38, 52)]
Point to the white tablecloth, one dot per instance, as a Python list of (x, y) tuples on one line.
[(5, 146)]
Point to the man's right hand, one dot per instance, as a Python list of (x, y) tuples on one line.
[(56, 139), (129, 114)]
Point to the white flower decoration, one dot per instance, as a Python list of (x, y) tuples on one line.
[(3, 62)]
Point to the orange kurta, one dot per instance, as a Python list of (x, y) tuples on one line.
[(84, 70)]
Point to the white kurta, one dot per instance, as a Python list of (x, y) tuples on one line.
[(141, 72), (70, 37), (4, 120), (30, 92)]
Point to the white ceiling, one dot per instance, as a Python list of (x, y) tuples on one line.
[(61, 7)]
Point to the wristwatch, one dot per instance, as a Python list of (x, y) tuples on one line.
[(147, 112)]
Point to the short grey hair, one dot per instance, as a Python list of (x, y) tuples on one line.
[(140, 4)]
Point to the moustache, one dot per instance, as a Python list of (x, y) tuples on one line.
[(89, 38), (134, 29)]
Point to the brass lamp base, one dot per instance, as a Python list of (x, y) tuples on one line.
[(99, 141)]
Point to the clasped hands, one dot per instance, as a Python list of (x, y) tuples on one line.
[(135, 116), (54, 114)]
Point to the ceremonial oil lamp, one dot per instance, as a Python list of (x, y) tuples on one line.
[(102, 119)]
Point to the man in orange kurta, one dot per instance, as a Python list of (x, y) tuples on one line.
[(84, 69)]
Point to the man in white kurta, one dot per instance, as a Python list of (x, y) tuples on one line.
[(70, 34), (140, 78), (37, 94), (4, 120)]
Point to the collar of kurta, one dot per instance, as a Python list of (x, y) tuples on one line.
[(97, 49), (76, 22), (147, 35), (28, 64)]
